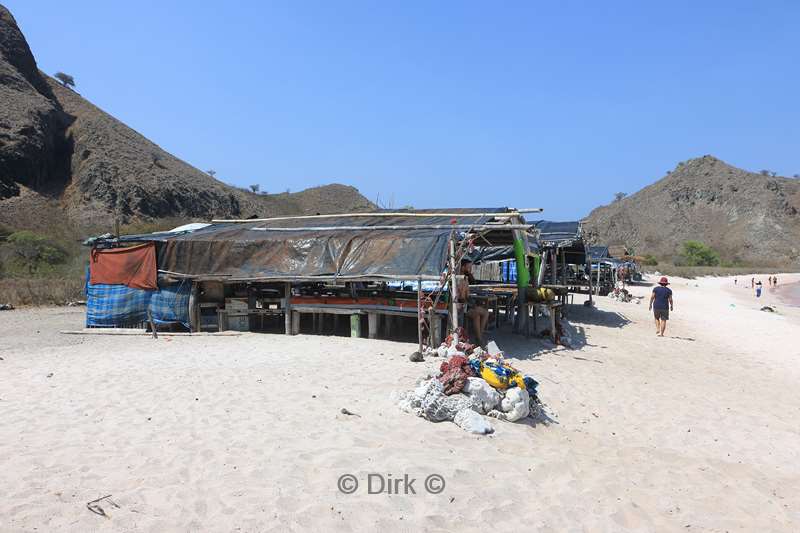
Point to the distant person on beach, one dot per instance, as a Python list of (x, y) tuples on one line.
[(752, 283), (775, 280), (735, 281), (758, 289), (661, 305)]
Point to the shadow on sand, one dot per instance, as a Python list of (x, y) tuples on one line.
[(520, 347)]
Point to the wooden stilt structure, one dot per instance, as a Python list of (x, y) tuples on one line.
[(453, 284)]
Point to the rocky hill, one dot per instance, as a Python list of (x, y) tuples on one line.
[(747, 217), (64, 161)]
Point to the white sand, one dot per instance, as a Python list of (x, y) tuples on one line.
[(694, 432)]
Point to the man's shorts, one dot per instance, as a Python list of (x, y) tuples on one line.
[(661, 314)]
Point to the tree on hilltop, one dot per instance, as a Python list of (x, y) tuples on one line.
[(65, 79)]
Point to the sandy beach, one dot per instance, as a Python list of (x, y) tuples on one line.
[(697, 431)]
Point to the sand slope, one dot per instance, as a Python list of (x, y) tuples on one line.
[(696, 432)]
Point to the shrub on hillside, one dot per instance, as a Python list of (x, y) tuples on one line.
[(696, 253), (30, 253), (650, 260)]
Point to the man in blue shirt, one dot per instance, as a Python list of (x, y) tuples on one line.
[(661, 304)]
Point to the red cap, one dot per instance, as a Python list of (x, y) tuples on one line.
[(663, 281)]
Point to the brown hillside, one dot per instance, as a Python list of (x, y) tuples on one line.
[(65, 162), (745, 216)]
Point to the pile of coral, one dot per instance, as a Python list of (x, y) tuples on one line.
[(623, 295), (472, 383)]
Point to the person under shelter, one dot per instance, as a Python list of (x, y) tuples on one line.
[(477, 314)]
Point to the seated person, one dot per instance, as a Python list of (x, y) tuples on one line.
[(476, 313)]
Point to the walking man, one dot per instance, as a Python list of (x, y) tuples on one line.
[(661, 305)]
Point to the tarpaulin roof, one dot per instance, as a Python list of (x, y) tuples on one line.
[(484, 254), (598, 252), (558, 232), (360, 246)]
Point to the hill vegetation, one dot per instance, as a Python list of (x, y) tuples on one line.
[(739, 217), (69, 170)]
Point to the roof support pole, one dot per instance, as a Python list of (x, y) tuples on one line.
[(194, 309), (523, 279), (597, 287), (372, 214), (373, 324), (420, 316), (408, 227), (355, 325), (287, 307), (542, 268), (453, 283)]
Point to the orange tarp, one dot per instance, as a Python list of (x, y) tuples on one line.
[(134, 266)]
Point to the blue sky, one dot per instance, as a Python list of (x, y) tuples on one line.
[(528, 104)]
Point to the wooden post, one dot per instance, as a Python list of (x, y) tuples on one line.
[(372, 330), (194, 309), (419, 313), (542, 268), (523, 278), (433, 329), (453, 282), (597, 284), (553, 323), (554, 268), (528, 307), (287, 308), (295, 323), (589, 258), (355, 325), (152, 324)]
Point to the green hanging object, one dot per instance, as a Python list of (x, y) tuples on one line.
[(537, 265), (523, 275)]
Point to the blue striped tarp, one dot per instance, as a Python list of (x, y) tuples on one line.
[(119, 306)]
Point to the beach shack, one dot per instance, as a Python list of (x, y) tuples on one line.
[(602, 267), (564, 261), (362, 274)]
